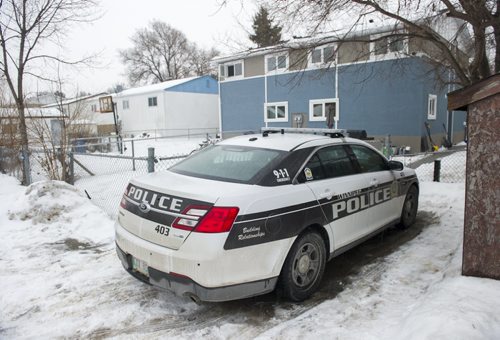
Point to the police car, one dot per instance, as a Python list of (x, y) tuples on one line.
[(258, 212)]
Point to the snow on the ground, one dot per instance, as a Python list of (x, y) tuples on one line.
[(60, 277), (417, 292), (408, 159)]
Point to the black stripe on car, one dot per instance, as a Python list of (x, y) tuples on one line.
[(288, 222)]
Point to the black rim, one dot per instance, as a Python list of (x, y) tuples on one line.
[(306, 265), (410, 205)]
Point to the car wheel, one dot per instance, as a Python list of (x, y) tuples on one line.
[(410, 207), (303, 267)]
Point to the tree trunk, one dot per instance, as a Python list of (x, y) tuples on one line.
[(24, 141), (496, 30)]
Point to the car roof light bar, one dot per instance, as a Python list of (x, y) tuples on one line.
[(334, 133)]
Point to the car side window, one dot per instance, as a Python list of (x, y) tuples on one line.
[(369, 160), (329, 162)]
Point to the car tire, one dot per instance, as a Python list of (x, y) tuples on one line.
[(304, 267), (410, 207)]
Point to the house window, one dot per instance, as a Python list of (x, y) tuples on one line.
[(323, 55), (126, 105), (277, 63), (321, 109), (384, 45), (232, 70), (152, 101), (93, 107), (276, 112), (432, 107)]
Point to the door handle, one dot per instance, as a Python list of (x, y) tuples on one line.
[(326, 194), (374, 182)]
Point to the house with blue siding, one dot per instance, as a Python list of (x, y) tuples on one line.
[(174, 107), (370, 82)]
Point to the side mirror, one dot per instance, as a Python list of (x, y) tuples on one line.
[(395, 165)]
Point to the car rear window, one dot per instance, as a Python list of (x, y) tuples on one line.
[(228, 163)]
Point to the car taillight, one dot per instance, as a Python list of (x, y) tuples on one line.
[(207, 220), (123, 202)]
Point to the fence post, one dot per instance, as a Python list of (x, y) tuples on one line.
[(437, 170), (151, 159), (133, 155), (71, 168)]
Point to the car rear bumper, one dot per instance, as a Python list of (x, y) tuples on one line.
[(184, 286)]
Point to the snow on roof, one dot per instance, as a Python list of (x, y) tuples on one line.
[(444, 25), (74, 100), (45, 112), (317, 39), (155, 87)]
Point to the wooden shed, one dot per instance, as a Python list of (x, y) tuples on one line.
[(481, 248)]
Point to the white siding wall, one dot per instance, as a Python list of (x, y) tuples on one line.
[(191, 110), (139, 116)]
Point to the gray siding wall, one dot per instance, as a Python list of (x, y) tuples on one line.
[(350, 52), (254, 66), (298, 59)]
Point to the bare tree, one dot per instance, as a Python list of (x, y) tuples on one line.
[(418, 19), (25, 25), (200, 62), (72, 121), (160, 53)]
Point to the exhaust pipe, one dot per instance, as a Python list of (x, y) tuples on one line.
[(193, 297)]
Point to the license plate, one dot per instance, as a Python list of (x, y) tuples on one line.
[(140, 266)]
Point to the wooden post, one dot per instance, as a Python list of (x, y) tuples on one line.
[(481, 249)]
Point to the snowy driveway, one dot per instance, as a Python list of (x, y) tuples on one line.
[(60, 278)]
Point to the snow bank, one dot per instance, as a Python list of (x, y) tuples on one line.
[(56, 205)]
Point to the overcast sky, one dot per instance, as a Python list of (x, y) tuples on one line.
[(204, 22)]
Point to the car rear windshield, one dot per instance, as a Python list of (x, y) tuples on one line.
[(227, 163)]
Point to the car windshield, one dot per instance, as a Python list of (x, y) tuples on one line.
[(228, 163)]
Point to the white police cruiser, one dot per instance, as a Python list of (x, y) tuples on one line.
[(256, 212)]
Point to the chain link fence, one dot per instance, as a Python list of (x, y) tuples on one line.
[(11, 162), (442, 166), (104, 175), (102, 168)]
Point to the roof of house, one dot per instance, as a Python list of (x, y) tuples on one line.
[(156, 87), (446, 26), (317, 39), (37, 112), (74, 100)]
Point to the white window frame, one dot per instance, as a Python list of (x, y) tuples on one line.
[(313, 102), (225, 67), (276, 56), (432, 107), (276, 120), (126, 104), (389, 54), (322, 63), (155, 98)]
